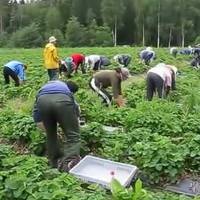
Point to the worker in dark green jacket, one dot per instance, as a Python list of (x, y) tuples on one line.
[(54, 105)]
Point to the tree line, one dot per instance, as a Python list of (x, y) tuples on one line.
[(99, 22)]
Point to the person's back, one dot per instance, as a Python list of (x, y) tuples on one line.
[(186, 51), (160, 70), (16, 66), (78, 58), (93, 58), (105, 78)]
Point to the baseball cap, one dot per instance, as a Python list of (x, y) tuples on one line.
[(125, 73)]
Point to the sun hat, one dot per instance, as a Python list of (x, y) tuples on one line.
[(52, 39), (125, 73)]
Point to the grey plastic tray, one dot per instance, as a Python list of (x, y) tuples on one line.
[(92, 169), (187, 186)]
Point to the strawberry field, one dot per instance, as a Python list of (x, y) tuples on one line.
[(161, 137)]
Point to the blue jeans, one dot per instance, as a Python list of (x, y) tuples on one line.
[(53, 74)]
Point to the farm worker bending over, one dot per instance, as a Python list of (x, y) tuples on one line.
[(122, 59), (161, 78), (51, 59), (196, 52), (105, 78), (147, 55), (78, 60), (66, 67), (173, 51), (93, 62), (195, 63), (55, 104), (15, 70), (186, 51)]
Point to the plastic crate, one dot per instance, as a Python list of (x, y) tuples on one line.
[(92, 169)]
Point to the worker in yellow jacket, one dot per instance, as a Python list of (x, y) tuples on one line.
[(51, 59)]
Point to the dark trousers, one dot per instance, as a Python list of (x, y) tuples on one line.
[(82, 65), (154, 82), (53, 74), (7, 73), (60, 109), (97, 65)]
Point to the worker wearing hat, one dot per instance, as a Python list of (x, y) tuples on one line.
[(161, 78), (51, 59), (106, 78)]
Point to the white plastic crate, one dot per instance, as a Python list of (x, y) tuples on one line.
[(92, 169)]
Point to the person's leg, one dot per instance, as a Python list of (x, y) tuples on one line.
[(97, 65), (50, 123), (6, 75), (159, 83), (49, 73), (173, 81), (53, 74), (83, 68), (147, 61), (15, 78), (12, 74), (150, 86), (127, 61), (106, 98), (68, 120)]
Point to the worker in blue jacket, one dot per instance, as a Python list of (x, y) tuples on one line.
[(15, 70), (55, 104)]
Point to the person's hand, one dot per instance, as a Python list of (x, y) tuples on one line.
[(120, 101)]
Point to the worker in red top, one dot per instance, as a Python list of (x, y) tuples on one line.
[(78, 60)]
